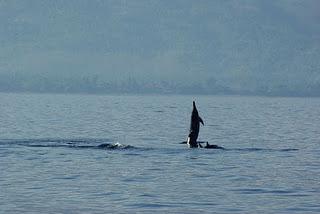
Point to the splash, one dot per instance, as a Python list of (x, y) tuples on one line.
[(106, 144)]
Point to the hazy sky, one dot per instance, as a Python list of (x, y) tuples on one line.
[(238, 45)]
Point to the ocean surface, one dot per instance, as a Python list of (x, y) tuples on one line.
[(121, 154)]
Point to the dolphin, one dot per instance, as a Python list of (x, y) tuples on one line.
[(194, 128)]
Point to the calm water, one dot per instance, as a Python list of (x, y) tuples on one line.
[(51, 162)]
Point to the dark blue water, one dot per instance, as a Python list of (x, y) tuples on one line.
[(121, 154)]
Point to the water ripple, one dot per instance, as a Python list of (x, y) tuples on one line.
[(67, 143)]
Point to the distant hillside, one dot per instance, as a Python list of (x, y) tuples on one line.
[(143, 46)]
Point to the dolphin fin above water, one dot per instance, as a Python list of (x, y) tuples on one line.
[(201, 121), (206, 146)]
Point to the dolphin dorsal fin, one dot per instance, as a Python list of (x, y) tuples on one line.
[(200, 120)]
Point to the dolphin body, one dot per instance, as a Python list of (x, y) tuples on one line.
[(194, 128)]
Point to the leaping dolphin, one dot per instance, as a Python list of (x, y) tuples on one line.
[(194, 128)]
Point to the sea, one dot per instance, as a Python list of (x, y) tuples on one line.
[(78, 153)]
